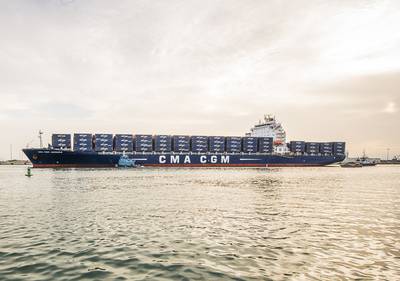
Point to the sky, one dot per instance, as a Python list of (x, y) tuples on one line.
[(328, 70)]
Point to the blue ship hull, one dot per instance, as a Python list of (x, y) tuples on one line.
[(53, 158)]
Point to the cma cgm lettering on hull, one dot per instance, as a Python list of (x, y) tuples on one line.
[(187, 159), (264, 146)]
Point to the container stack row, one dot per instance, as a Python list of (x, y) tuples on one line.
[(315, 148), (181, 144)]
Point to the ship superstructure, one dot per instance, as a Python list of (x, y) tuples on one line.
[(269, 127), (264, 146)]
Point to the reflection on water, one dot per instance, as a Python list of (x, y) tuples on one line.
[(238, 224)]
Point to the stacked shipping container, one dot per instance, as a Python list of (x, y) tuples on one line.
[(83, 142), (339, 148), (123, 143), (312, 147), (216, 144), (143, 143), (265, 145), (250, 144), (325, 147), (233, 144), (61, 141), (103, 142), (162, 143), (181, 143), (199, 144), (297, 146)]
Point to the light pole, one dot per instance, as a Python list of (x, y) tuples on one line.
[(40, 138)]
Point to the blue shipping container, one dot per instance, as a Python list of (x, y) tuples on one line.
[(339, 148), (103, 142), (250, 144), (297, 146), (181, 143), (265, 145), (199, 143), (83, 142), (162, 143), (233, 144), (312, 147), (61, 141), (143, 143), (325, 148), (123, 142), (216, 144)]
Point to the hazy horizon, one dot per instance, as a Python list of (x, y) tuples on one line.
[(328, 71)]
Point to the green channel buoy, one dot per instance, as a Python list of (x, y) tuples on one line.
[(28, 172)]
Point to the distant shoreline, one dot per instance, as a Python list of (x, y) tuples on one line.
[(390, 162), (15, 162)]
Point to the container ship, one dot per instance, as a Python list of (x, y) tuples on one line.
[(263, 146)]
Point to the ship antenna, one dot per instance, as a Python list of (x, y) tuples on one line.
[(40, 138)]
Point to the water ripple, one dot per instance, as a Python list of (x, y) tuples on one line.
[(200, 224)]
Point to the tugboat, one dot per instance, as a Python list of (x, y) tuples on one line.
[(125, 162), (351, 165), (365, 161)]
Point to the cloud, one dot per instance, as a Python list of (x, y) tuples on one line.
[(362, 94), (390, 108)]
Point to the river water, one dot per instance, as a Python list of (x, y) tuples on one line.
[(324, 223)]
